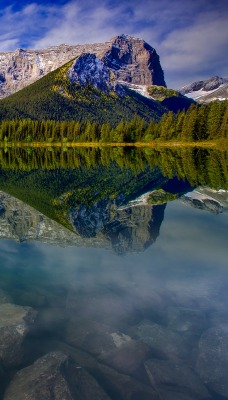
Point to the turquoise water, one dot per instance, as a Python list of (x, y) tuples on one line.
[(146, 291)]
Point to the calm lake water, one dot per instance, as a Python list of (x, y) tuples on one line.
[(122, 256)]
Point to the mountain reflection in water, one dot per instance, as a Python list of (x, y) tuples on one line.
[(139, 321)]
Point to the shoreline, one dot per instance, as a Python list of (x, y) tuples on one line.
[(222, 144)]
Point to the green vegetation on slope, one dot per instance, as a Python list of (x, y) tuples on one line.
[(160, 92), (55, 97), (198, 123), (55, 181), (54, 192), (170, 98)]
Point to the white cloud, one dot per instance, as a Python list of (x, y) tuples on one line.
[(190, 37), (22, 26), (198, 48), (81, 25)]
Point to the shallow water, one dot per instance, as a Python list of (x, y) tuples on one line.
[(127, 289)]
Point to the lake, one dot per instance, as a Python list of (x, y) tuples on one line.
[(113, 273)]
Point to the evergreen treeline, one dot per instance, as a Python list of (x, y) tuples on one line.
[(53, 180), (197, 166), (198, 123)]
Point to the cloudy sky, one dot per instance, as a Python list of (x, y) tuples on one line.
[(190, 36)]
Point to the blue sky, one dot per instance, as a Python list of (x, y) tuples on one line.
[(190, 36)]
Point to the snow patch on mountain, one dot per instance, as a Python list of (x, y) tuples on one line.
[(141, 89), (197, 94)]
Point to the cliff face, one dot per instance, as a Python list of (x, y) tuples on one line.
[(103, 225), (135, 61), (127, 229), (130, 60)]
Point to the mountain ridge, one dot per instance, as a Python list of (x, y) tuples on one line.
[(131, 60), (82, 90), (205, 91)]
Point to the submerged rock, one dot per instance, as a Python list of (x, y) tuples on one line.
[(128, 358), (111, 347), (15, 323), (188, 321), (5, 297), (175, 381), (212, 363), (54, 377), (95, 338), (164, 342), (119, 386)]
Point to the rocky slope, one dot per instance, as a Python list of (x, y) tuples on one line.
[(215, 88), (205, 198), (130, 59), (133, 228), (84, 89)]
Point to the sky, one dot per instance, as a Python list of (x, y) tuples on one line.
[(190, 36)]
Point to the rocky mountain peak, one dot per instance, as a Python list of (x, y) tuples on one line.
[(207, 85), (214, 88), (90, 69), (124, 230), (134, 61), (129, 59)]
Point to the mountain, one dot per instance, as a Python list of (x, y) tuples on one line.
[(130, 60), (169, 98), (81, 205), (128, 230), (205, 198), (85, 89), (215, 88)]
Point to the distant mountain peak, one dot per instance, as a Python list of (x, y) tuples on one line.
[(209, 84), (214, 88)]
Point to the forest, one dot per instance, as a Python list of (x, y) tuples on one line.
[(197, 165), (198, 123)]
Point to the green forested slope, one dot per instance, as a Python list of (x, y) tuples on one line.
[(55, 97), (169, 98)]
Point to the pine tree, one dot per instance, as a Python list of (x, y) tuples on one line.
[(214, 120)]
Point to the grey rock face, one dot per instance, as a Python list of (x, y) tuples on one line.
[(89, 69), (127, 228), (102, 225), (20, 222), (128, 58), (210, 84), (212, 363), (134, 61), (219, 94), (15, 323), (204, 198), (212, 89), (54, 377)]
